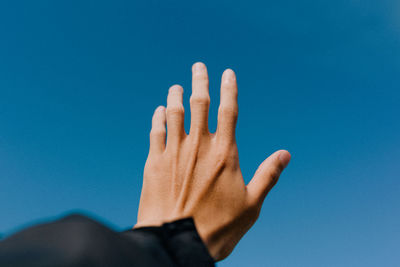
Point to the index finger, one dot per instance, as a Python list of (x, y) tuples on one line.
[(228, 109)]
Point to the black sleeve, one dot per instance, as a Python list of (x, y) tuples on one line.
[(80, 241)]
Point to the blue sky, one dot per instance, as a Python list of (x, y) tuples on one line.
[(79, 81)]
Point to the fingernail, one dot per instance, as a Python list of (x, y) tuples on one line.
[(284, 158), (160, 108), (229, 74), (197, 67)]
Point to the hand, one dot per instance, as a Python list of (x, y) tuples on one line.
[(198, 175)]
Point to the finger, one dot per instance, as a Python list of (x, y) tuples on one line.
[(228, 108), (175, 115), (158, 131), (267, 175), (200, 99)]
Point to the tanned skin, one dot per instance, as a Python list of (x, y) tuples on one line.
[(197, 174)]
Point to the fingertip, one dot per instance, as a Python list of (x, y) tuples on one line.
[(284, 157), (176, 88), (158, 130), (159, 115), (160, 109), (229, 74), (198, 66)]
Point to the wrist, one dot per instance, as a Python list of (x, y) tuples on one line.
[(218, 244)]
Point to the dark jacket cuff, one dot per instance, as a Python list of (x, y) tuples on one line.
[(182, 242)]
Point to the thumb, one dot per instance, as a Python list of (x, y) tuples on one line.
[(267, 175)]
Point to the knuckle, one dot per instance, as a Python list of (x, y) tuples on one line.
[(221, 162), (274, 174), (228, 111), (221, 156), (157, 132), (200, 100), (232, 159), (224, 156), (176, 109)]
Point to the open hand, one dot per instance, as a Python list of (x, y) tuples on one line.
[(197, 174)]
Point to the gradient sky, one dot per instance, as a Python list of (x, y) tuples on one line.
[(79, 81)]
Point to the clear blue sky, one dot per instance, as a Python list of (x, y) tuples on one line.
[(79, 81)]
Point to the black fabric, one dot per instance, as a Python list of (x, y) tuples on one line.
[(78, 241)]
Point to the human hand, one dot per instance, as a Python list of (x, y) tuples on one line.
[(197, 174)]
